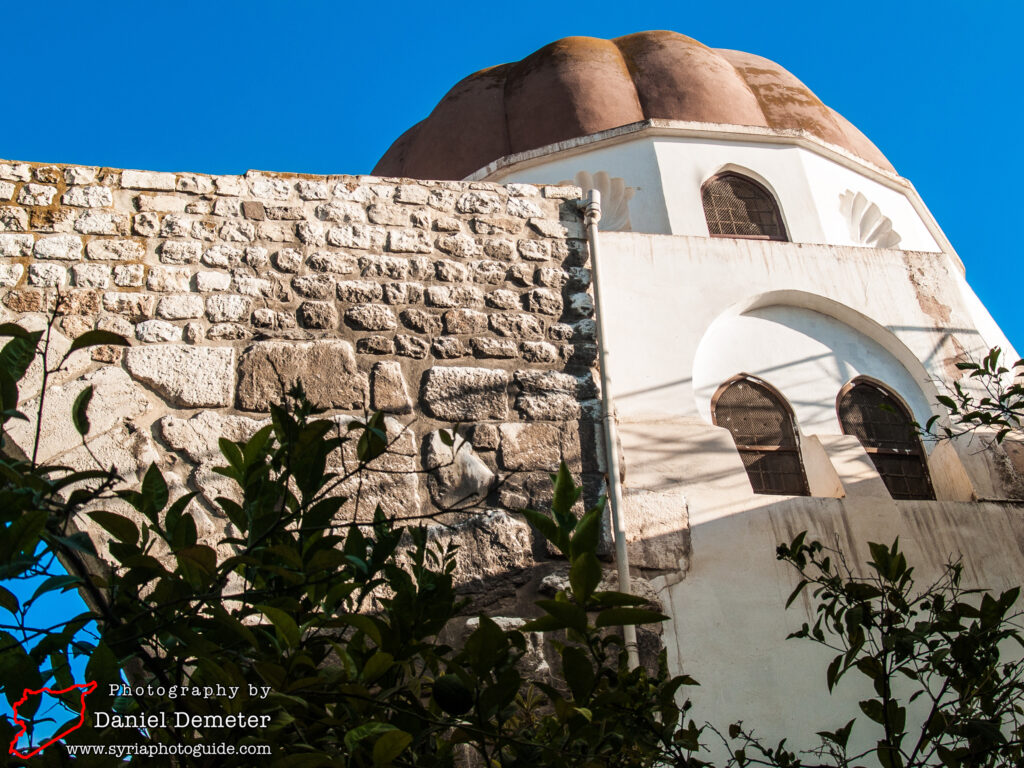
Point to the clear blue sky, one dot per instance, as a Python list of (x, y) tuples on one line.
[(325, 87)]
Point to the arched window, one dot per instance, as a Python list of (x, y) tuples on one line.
[(763, 428), (736, 206), (885, 428)]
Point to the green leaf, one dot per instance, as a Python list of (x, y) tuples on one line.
[(53, 583), (377, 665), (365, 731), (617, 617), (283, 623), (572, 616), (578, 672), (118, 526), (97, 338), (12, 329), (584, 576), (8, 600), (390, 746), (154, 488), (18, 354)]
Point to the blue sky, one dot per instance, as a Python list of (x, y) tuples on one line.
[(325, 87)]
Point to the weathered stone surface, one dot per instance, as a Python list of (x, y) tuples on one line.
[(411, 346), (192, 377), (538, 352), (409, 241), (168, 279), (129, 275), (494, 348), (10, 274), (337, 263), (115, 398), (227, 332), (546, 381), (180, 306), (493, 547), (388, 392), (227, 309), (530, 446), (449, 347), (36, 194), (516, 326), (462, 246), (389, 215), (15, 171), (312, 190), (465, 394), (197, 437), (153, 331), (287, 260), (371, 317), (16, 246), (503, 299), (102, 223), (147, 180), (91, 275), (88, 197), (212, 281), (6, 190), (13, 219), (421, 321), (394, 267), (47, 275), (551, 406), (458, 296), (314, 286), (543, 301), (478, 202), (115, 250), (359, 291), (451, 271), (63, 247), (359, 236), (179, 252), (464, 321), (458, 477), (318, 315), (327, 370), (136, 306)]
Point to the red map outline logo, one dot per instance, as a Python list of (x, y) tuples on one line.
[(86, 689)]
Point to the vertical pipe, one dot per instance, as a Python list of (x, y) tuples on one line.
[(592, 215)]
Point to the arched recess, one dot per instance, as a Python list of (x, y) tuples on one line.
[(764, 429), (881, 420), (737, 204), (809, 346)]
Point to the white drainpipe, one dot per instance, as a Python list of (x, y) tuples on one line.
[(610, 432)]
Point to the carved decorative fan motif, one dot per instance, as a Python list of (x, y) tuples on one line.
[(615, 197), (867, 224)]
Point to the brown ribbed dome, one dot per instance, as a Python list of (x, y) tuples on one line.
[(581, 85)]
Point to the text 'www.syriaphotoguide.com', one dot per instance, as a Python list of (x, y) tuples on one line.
[(157, 750)]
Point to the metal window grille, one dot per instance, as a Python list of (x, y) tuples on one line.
[(735, 206), (885, 429), (762, 427)]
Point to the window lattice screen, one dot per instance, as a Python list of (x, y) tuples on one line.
[(762, 427), (885, 430), (738, 207)]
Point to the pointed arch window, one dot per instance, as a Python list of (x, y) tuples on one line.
[(763, 427), (870, 412), (737, 206)]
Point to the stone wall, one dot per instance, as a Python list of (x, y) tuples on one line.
[(437, 303)]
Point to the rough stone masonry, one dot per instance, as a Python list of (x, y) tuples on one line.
[(439, 303)]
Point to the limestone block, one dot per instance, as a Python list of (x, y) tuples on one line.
[(88, 197), (36, 194), (226, 331), (310, 233), (212, 281), (409, 241), (153, 331), (494, 348), (337, 263), (195, 184), (178, 252), (360, 236), (555, 229), (47, 275), (492, 272), (388, 392), (465, 394), (146, 224), (448, 347), (312, 190), (550, 406), (393, 267), (411, 346), (530, 446), (497, 248), (465, 321), (451, 271), (15, 171), (375, 345), (493, 547), (441, 199), (136, 306), (371, 317), (269, 188), (524, 209), (503, 299), (147, 180), (421, 321), (459, 296), (6, 190), (180, 306), (129, 275), (543, 301), (516, 326), (114, 250), (10, 274), (412, 194), (224, 256), (192, 377), (91, 275), (546, 381), (79, 175), (327, 370), (197, 437), (227, 206), (314, 286), (582, 304), (13, 219), (227, 308), (522, 190), (318, 315), (458, 477), (168, 278), (16, 246), (230, 185), (287, 260), (359, 291), (63, 247), (102, 223), (237, 231), (496, 225), (447, 224), (478, 202), (462, 246), (115, 398), (390, 215), (563, 192), (551, 277)]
